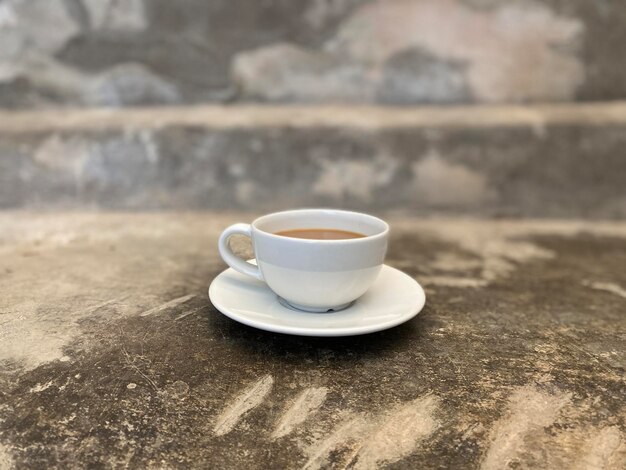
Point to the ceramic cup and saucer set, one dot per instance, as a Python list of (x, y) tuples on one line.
[(316, 272)]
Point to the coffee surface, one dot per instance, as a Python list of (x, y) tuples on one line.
[(320, 234)]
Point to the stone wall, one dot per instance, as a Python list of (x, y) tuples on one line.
[(143, 52)]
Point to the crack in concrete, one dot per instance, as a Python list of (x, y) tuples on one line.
[(171, 304)]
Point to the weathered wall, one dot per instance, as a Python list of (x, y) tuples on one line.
[(136, 53), (114, 53), (555, 161)]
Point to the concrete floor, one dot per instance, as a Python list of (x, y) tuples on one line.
[(112, 356)]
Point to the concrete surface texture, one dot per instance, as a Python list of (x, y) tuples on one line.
[(124, 53), (540, 161), (112, 356)]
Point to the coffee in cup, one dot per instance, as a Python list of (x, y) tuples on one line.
[(316, 260)]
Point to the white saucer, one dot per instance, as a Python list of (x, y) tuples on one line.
[(393, 299)]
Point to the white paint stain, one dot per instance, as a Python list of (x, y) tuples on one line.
[(529, 411), (497, 247), (68, 419), (129, 426), (347, 431), (68, 154), (454, 262), (6, 461), (451, 281), (354, 178), (601, 451), (306, 404), (606, 287), (191, 312), (41, 387), (250, 398), (442, 183), (399, 434), (171, 304), (385, 438), (64, 386)]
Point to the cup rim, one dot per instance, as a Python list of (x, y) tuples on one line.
[(365, 239)]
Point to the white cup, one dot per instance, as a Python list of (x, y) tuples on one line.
[(312, 275)]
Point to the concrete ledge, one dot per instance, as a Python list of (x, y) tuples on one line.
[(298, 116), (535, 161)]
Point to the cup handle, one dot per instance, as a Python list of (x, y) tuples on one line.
[(231, 259)]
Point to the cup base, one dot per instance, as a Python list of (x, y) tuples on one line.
[(304, 308)]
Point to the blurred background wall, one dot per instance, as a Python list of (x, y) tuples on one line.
[(68, 56)]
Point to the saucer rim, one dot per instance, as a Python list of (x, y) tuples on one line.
[(324, 332)]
